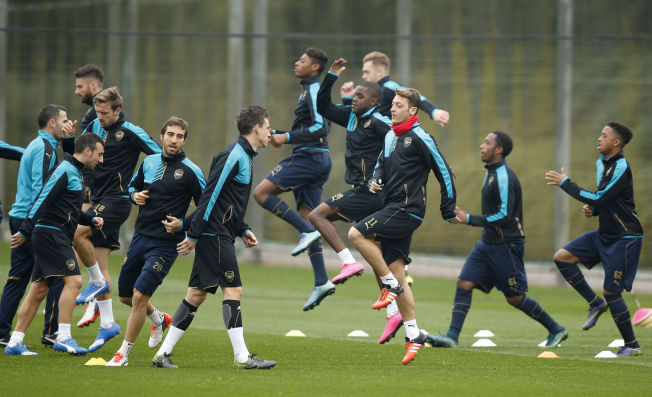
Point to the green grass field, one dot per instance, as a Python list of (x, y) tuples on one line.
[(326, 362)]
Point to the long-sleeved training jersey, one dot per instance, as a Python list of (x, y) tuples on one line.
[(403, 168), (10, 152), (365, 134), (223, 204), (172, 182), (58, 205), (123, 143), (502, 206), (613, 202)]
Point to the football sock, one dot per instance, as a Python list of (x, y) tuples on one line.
[(106, 313), (184, 315), (345, 256), (95, 274), (125, 348), (231, 313), (620, 313), (280, 208), (240, 351), (173, 336), (16, 338), (532, 308), (575, 278), (392, 309), (316, 255), (156, 317), (390, 280), (411, 329), (461, 306), (64, 332)]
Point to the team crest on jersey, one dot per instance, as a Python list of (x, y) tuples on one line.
[(367, 123), (491, 180), (230, 275), (408, 141), (119, 135), (277, 169), (70, 264), (337, 197), (618, 275), (178, 173)]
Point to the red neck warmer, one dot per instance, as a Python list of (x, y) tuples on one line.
[(404, 126)]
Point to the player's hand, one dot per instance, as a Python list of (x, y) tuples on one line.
[(554, 177), (98, 221), (69, 128), (187, 245), (17, 240), (347, 89), (277, 140), (140, 198), (441, 117), (375, 187), (461, 215), (172, 224), (588, 210), (249, 239), (338, 66), (453, 173)]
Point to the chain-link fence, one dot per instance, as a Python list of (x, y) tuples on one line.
[(492, 64)]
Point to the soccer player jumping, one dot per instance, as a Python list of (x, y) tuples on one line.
[(617, 242)]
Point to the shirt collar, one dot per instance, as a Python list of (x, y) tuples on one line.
[(46, 135)]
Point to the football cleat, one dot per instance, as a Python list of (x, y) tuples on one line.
[(156, 336), (412, 347), (318, 294), (69, 346), (253, 362), (348, 270), (47, 340), (306, 241), (91, 313), (441, 340), (163, 361), (594, 314), (118, 360), (387, 295), (91, 292), (627, 351), (554, 338), (104, 335), (393, 324), (19, 350)]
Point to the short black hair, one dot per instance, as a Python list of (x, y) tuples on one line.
[(504, 141), (249, 117), (48, 113), (90, 70), (318, 56), (623, 131), (373, 88), (88, 140)]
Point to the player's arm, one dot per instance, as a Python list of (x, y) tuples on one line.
[(40, 168), (596, 198), (376, 181), (444, 175), (144, 142), (136, 186), (224, 168), (318, 128), (10, 152), (198, 188), (325, 106)]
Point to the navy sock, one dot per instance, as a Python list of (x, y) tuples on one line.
[(622, 318), (533, 309), (461, 306), (231, 313), (184, 315), (316, 254), (280, 208), (575, 278)]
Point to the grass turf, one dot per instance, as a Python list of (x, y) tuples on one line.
[(326, 362)]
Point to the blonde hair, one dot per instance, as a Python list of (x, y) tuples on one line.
[(377, 58), (411, 94), (111, 96)]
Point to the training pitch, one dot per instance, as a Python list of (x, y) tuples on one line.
[(326, 361)]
